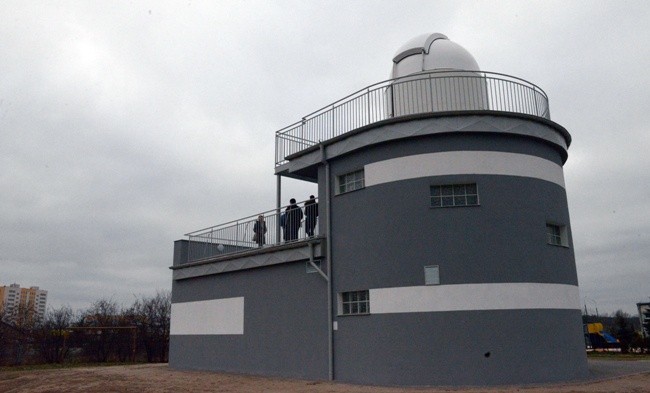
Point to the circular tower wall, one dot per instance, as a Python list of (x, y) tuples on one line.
[(452, 257)]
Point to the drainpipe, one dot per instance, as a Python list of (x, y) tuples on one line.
[(328, 230)]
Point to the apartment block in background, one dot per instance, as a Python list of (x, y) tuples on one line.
[(32, 299)]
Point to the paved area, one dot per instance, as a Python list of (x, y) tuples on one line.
[(606, 369)]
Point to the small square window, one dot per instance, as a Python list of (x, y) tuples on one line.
[(350, 181), (556, 235), (432, 275), (354, 303)]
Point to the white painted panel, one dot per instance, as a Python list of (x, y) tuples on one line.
[(462, 163), (217, 316), (473, 297)]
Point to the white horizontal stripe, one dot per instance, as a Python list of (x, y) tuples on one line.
[(474, 297), (218, 316), (462, 163)]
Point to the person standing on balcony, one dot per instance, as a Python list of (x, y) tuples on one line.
[(260, 231), (292, 220), (311, 213)]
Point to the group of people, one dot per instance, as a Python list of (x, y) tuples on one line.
[(290, 221)]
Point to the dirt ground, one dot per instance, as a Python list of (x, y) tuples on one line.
[(160, 378)]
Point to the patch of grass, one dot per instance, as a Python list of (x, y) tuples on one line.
[(618, 356)]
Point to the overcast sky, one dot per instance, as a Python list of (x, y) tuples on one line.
[(126, 124)]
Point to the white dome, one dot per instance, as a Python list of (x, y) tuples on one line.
[(430, 52)]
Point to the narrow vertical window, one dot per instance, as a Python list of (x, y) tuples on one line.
[(432, 275), (556, 235)]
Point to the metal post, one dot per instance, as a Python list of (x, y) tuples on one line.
[(392, 101), (333, 122), (368, 100), (134, 342), (278, 206), (433, 106), (189, 248)]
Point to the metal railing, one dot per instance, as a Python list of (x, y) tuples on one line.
[(244, 235), (438, 91)]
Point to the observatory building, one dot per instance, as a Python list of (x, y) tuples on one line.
[(442, 250)]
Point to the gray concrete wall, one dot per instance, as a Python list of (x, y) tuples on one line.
[(383, 236), (302, 165), (524, 346), (285, 323), (249, 259), (391, 230)]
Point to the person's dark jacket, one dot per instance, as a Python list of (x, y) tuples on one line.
[(293, 218)]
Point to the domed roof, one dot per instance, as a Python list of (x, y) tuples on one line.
[(430, 52)]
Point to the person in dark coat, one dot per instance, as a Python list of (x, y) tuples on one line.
[(259, 229), (292, 220), (311, 214)]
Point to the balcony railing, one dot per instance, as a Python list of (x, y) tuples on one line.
[(245, 234), (439, 91)]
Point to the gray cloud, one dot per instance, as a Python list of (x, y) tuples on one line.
[(125, 125)]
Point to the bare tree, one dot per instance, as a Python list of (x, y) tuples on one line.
[(623, 330), (22, 317), (5, 336), (53, 332), (99, 339), (2, 324), (152, 317), (22, 321)]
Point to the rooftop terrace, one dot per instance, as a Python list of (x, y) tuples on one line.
[(434, 92), (242, 235), (428, 92)]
